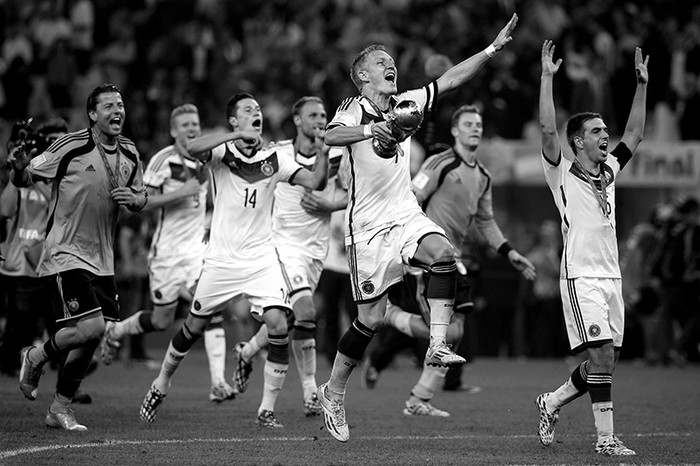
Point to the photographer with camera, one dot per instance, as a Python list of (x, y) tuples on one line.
[(24, 213)]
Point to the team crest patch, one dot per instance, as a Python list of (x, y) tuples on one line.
[(197, 305), (158, 294), (367, 287), (125, 170), (267, 169), (297, 279), (594, 330), (73, 305)]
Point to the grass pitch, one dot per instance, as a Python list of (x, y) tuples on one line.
[(657, 413)]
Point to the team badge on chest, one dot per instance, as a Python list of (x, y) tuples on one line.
[(267, 169)]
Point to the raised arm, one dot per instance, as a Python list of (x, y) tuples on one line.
[(465, 70), (551, 147), (199, 147), (634, 130)]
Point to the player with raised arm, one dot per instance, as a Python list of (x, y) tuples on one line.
[(177, 186), (301, 233), (240, 260), (385, 226), (591, 287)]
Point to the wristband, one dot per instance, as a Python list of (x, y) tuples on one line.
[(504, 249), (367, 130), (490, 51)]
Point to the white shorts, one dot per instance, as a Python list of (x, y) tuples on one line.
[(260, 282), (377, 263), (169, 275), (300, 271), (594, 311)]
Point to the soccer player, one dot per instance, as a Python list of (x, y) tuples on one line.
[(591, 288), (94, 172), (177, 186), (301, 233), (240, 260), (385, 227), (454, 189)]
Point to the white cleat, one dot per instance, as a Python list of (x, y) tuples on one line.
[(333, 415), (441, 355), (64, 420), (612, 446), (423, 408), (547, 421)]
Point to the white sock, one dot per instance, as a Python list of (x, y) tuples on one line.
[(399, 319), (562, 396), (603, 415), (274, 376), (171, 362), (430, 379), (251, 348), (128, 326), (440, 315), (215, 344), (305, 355)]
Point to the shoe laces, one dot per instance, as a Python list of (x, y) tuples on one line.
[(338, 409)]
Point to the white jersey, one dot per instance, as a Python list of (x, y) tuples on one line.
[(243, 188), (292, 227), (590, 239), (379, 189), (180, 229)]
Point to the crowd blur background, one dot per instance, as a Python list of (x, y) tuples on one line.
[(162, 53)]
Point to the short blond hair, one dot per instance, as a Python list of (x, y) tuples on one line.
[(181, 110)]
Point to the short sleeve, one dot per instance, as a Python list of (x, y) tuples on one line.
[(349, 113)]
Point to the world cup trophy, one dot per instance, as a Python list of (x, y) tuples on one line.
[(403, 121)]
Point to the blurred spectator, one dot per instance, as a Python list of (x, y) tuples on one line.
[(679, 272), (61, 72), (82, 18), (546, 334), (641, 290)]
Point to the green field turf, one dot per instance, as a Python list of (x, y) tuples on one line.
[(657, 413)]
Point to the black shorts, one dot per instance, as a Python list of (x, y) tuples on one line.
[(410, 295), (82, 293)]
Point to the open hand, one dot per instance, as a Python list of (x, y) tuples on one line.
[(504, 37), (548, 64)]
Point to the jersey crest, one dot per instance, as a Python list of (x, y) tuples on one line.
[(252, 172)]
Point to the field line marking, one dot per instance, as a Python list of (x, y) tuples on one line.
[(111, 443)]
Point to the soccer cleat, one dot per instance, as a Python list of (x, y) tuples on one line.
[(267, 419), (612, 446), (63, 420), (370, 375), (441, 355), (241, 375), (423, 409), (333, 415), (547, 421), (29, 374), (109, 346), (149, 407), (221, 392), (312, 407)]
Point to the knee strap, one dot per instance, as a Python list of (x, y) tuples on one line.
[(443, 280)]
